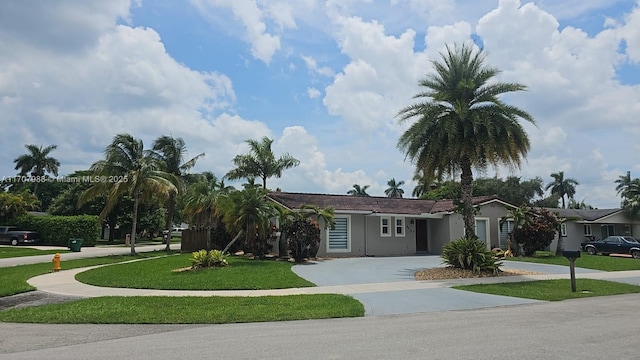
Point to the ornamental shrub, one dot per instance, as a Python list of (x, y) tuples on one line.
[(303, 235), (57, 230), (205, 259), (537, 232), (470, 254)]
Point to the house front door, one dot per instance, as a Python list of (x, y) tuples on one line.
[(422, 243)]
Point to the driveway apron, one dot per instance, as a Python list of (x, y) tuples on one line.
[(350, 271)]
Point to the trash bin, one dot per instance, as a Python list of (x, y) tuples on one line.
[(75, 244)]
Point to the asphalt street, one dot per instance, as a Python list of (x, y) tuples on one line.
[(429, 320), (592, 328)]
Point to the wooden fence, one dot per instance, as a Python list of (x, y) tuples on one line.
[(193, 240)]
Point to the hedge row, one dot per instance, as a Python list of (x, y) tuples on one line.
[(57, 230)]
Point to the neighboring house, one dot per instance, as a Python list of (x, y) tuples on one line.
[(589, 224), (381, 226)]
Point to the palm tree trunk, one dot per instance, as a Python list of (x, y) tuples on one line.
[(170, 210), (112, 226), (560, 245), (134, 222), (466, 192), (562, 197), (226, 248)]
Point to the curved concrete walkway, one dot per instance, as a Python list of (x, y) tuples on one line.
[(384, 285)]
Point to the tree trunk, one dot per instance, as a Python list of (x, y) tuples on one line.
[(466, 192), (560, 245), (170, 210), (134, 223), (35, 190), (112, 225), (231, 242)]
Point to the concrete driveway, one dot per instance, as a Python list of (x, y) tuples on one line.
[(369, 270)]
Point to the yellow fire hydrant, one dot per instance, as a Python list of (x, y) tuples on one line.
[(56, 262)]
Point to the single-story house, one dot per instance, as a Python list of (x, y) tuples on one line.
[(381, 226), (589, 224)]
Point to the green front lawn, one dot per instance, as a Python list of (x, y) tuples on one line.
[(14, 279), (554, 290), (241, 274), (157, 273), (11, 252), (596, 262), (188, 310)]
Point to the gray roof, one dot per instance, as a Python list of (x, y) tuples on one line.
[(374, 204), (584, 214)]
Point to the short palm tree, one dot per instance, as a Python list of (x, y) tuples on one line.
[(171, 152), (127, 169), (562, 187), (260, 162), (203, 200), (394, 190), (249, 212), (37, 163), (517, 216), (203, 203), (358, 190), (461, 123)]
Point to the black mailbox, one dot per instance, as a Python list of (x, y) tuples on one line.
[(571, 254)]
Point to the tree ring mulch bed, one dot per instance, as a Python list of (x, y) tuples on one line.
[(447, 273)]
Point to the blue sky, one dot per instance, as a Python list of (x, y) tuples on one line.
[(324, 79)]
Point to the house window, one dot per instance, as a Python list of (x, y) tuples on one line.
[(626, 230), (606, 230), (385, 226), (587, 230), (563, 229), (339, 238), (482, 230), (505, 229), (399, 226)]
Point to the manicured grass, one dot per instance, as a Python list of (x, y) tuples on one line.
[(596, 262), (14, 279), (241, 274), (554, 290), (11, 252), (188, 310)]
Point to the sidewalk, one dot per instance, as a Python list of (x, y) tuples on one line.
[(64, 283), (382, 295), (85, 252)]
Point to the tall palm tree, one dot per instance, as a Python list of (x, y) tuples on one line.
[(127, 169), (37, 163), (260, 162), (631, 198), (358, 190), (624, 182), (394, 190), (423, 185), (461, 124), (171, 152), (562, 187)]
